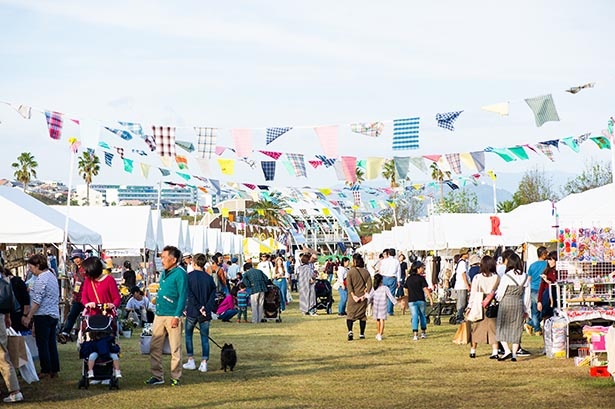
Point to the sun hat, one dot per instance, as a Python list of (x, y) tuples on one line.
[(474, 259), (77, 253)]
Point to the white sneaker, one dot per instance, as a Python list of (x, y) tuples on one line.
[(415, 338), (423, 335), (13, 397), (189, 365), (203, 366), (90, 374), (378, 337), (117, 373)]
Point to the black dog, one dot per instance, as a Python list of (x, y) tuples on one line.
[(228, 357)]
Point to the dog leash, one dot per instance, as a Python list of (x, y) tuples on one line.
[(215, 343)]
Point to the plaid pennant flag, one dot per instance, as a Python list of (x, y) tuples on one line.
[(546, 149), (120, 151), (454, 162), (274, 155), (24, 110), (151, 142), (128, 165), (405, 134), (447, 119), (54, 123), (274, 133), (182, 161), (296, 161), (125, 135), (165, 140), (164, 171), (373, 129), (108, 159), (543, 108), (206, 141), (328, 162), (315, 163), (133, 127)]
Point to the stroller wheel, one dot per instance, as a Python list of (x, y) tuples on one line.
[(115, 383), (437, 321), (82, 383), (453, 319)]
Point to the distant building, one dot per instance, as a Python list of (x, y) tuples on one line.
[(116, 194), (81, 196)]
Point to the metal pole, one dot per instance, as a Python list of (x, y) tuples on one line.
[(66, 219), (495, 201)]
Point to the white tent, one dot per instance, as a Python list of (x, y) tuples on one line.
[(173, 234), (228, 243), (187, 240), (197, 234), (158, 233), (26, 220), (121, 227), (590, 208), (214, 241)]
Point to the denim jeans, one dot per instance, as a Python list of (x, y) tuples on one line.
[(204, 330), (341, 307), (283, 286), (45, 335), (462, 303), (227, 315), (390, 282), (73, 314), (535, 318), (417, 309)]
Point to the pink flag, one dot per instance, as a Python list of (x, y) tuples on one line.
[(433, 158), (274, 155), (220, 150), (349, 166), (243, 142), (328, 139)]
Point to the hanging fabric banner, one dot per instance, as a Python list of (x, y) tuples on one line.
[(268, 167), (405, 134), (454, 162), (24, 110), (274, 133), (165, 140), (349, 166), (274, 155), (373, 168), (128, 165), (373, 129), (479, 160), (602, 142), (500, 108), (447, 119), (125, 135), (206, 141), (433, 158), (243, 142), (402, 166), (54, 123), (502, 153), (543, 108), (519, 152), (419, 163), (298, 164), (108, 159), (144, 169), (339, 170), (328, 139), (227, 166)]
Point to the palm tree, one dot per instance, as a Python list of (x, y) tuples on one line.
[(440, 176), (507, 206), (359, 175), (268, 211), (388, 172), (25, 168), (89, 166)]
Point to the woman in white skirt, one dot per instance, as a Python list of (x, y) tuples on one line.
[(378, 296)]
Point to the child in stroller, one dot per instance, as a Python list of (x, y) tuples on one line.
[(324, 295)]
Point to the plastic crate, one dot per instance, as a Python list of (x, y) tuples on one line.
[(599, 372)]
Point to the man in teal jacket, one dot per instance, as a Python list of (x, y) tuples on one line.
[(170, 304)]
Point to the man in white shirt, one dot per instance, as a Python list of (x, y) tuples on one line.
[(390, 270), (462, 285)]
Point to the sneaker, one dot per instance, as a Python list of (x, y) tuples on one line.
[(203, 366), (106, 382), (350, 336), (415, 338), (95, 382), (528, 328), (154, 381), (378, 337), (13, 397), (90, 374), (523, 352), (362, 336), (423, 335), (189, 365), (174, 382), (117, 373), (239, 321), (63, 338)]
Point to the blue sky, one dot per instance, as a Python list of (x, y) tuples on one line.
[(263, 63)]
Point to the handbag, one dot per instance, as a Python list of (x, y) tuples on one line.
[(8, 301), (492, 310), (463, 335)]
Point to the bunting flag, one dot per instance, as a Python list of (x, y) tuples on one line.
[(274, 155), (187, 146), (499, 108), (54, 123), (165, 140), (220, 150), (419, 163), (349, 167), (325, 191), (315, 163), (575, 90), (502, 153), (125, 135), (182, 162), (583, 138), (339, 171), (373, 129), (268, 167), (251, 163), (479, 160), (274, 133), (127, 165), (120, 151), (328, 162), (602, 142), (144, 169), (327, 135), (572, 143), (151, 143), (447, 119), (184, 176), (250, 186), (402, 167), (452, 184), (139, 152), (243, 142), (543, 108), (546, 149), (326, 211), (433, 158), (227, 166), (91, 151), (519, 152), (108, 159), (74, 144), (289, 167), (454, 162), (298, 164), (552, 142), (373, 168), (356, 195), (24, 110), (164, 172), (133, 127), (405, 134), (202, 189), (492, 175), (204, 166), (206, 141), (216, 184), (104, 144)]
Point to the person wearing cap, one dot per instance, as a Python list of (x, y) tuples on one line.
[(474, 262), (233, 269), (187, 262), (77, 256), (462, 285), (418, 290)]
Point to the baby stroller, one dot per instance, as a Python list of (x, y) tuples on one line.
[(324, 295), (98, 331), (271, 307)]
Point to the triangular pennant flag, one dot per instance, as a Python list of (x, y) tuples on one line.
[(374, 167), (250, 186), (492, 175), (75, 144), (452, 184), (572, 143), (479, 160), (182, 162), (454, 162), (575, 90), (519, 152), (406, 134), (144, 169), (349, 166), (530, 147), (54, 123), (151, 143), (297, 163), (243, 142), (447, 119), (274, 133), (24, 110), (268, 167), (274, 155), (499, 108), (315, 163), (602, 142), (543, 108), (373, 129), (325, 191), (203, 165), (120, 151), (133, 127), (419, 163), (288, 166), (187, 146), (216, 184), (183, 175), (128, 165), (339, 170), (139, 152), (433, 158), (165, 140), (125, 135), (328, 136), (164, 171), (328, 162), (402, 166), (220, 150), (108, 158), (104, 144), (503, 153), (251, 163), (202, 189), (326, 211), (227, 166), (546, 149), (206, 141)]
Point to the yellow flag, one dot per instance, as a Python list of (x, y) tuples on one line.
[(492, 175), (227, 166), (224, 211), (260, 212), (326, 211), (325, 191), (144, 170), (289, 210), (355, 207), (374, 168)]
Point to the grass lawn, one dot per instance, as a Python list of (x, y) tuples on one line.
[(306, 362)]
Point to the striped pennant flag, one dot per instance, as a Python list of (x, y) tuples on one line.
[(206, 141), (328, 162), (125, 135), (54, 123), (165, 140), (373, 129), (405, 134), (274, 133), (543, 108), (108, 159)]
